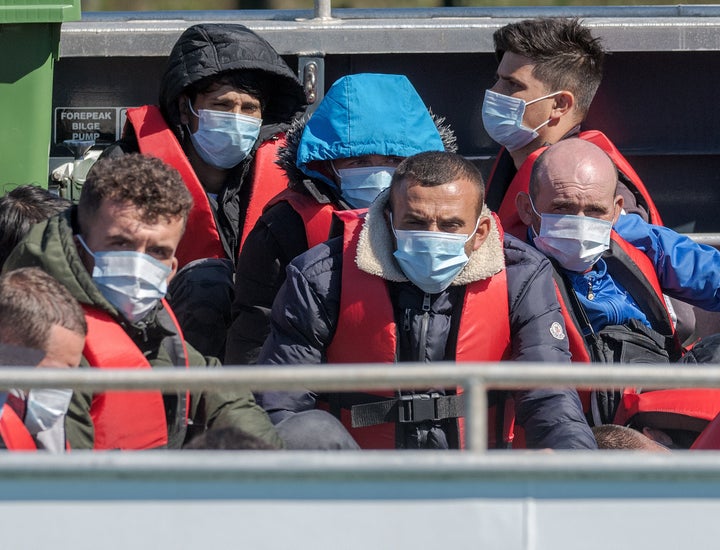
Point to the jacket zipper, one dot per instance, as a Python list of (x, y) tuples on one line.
[(425, 321)]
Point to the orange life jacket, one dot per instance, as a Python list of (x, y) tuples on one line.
[(13, 431), (124, 419), (316, 217), (634, 270), (507, 211), (692, 409), (202, 237), (366, 329)]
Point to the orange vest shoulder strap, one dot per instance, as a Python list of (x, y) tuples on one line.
[(122, 420), (601, 140), (14, 433), (521, 182), (644, 287), (365, 329), (316, 217), (507, 212), (267, 181), (201, 238)]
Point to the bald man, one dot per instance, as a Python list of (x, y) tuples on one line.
[(612, 269)]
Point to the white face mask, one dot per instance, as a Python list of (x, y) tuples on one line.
[(131, 281), (45, 411), (503, 119), (575, 242), (224, 139), (360, 186)]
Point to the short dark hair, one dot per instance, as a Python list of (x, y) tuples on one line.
[(433, 168), (155, 189), (31, 303), (565, 54), (616, 437), (20, 209)]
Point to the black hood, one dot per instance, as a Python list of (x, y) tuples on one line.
[(210, 49)]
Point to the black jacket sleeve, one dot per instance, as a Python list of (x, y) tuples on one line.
[(552, 418), (276, 239), (304, 318)]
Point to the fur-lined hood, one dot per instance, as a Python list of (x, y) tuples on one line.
[(376, 247), (363, 114)]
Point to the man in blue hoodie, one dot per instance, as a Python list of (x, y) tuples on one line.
[(339, 159)]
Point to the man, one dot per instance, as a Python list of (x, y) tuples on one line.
[(38, 313), (614, 268), (20, 209), (426, 276), (549, 70), (226, 98), (115, 253), (340, 158)]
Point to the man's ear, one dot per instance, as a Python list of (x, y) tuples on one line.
[(619, 203), (524, 208), (173, 271), (482, 232), (184, 109), (563, 103)]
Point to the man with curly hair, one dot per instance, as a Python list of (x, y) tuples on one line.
[(115, 253)]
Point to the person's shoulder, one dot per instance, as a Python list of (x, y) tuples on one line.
[(631, 222), (281, 217), (321, 259)]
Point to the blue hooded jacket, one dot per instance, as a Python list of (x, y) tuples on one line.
[(367, 114)]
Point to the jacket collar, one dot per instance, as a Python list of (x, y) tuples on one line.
[(376, 246)]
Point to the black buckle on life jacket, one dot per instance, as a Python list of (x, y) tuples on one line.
[(418, 407)]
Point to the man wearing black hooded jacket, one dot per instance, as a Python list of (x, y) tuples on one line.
[(226, 98)]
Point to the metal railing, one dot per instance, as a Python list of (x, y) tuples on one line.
[(474, 378)]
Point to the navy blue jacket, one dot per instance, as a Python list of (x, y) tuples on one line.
[(305, 314)]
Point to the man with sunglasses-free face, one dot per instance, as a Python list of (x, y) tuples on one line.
[(425, 276)]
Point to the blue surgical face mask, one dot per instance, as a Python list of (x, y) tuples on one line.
[(431, 259), (503, 119), (224, 139), (131, 281), (575, 242), (360, 186)]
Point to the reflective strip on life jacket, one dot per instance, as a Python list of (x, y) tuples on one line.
[(14, 433), (316, 217), (130, 419), (507, 212), (366, 329), (201, 238)]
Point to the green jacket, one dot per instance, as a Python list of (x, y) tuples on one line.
[(51, 246)]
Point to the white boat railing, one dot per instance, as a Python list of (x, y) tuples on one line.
[(474, 378)]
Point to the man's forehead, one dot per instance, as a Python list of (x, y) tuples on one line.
[(518, 67), (450, 195), (572, 173)]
